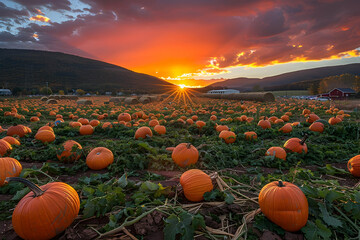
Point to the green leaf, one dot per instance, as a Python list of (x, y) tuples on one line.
[(316, 230), (20, 194), (123, 181), (229, 199), (329, 220), (211, 196), (172, 227)]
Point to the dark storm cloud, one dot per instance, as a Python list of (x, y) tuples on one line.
[(235, 32)]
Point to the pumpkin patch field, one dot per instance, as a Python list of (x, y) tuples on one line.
[(213, 169)]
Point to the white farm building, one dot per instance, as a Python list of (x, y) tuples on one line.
[(223, 91)]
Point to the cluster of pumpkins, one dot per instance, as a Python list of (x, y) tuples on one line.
[(276, 199)]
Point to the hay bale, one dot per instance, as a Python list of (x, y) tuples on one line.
[(44, 99), (154, 98), (57, 97), (145, 99), (117, 99), (131, 100), (84, 102), (51, 101), (252, 96)]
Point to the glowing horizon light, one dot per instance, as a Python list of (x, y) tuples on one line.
[(182, 86)]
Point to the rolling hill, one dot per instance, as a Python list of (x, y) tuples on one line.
[(32, 69), (286, 79)]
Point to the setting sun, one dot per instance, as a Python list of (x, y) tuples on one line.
[(182, 86)]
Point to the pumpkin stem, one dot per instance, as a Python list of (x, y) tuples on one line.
[(281, 183), (304, 139), (188, 146), (33, 187)]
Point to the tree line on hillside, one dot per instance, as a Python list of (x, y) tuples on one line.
[(339, 81)]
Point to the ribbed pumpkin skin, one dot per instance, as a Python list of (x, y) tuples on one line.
[(160, 129), (279, 152), (264, 124), (334, 120), (228, 136), (195, 183), (124, 117), (293, 145), (45, 136), (68, 155), (317, 127), (19, 130), (143, 132), (45, 216), (185, 154), (221, 128), (86, 130), (11, 140), (287, 128), (250, 135), (99, 158), (4, 147), (9, 167), (285, 206), (354, 166)]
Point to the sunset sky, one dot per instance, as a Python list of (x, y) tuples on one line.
[(190, 39)]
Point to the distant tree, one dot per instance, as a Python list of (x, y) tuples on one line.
[(356, 84), (257, 88), (313, 89), (61, 92), (80, 92), (16, 91), (45, 91)]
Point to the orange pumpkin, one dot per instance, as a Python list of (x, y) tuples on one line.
[(354, 166), (185, 154), (284, 204), (153, 123), (278, 152), (220, 128), (11, 140), (264, 124), (312, 118), (317, 127), (37, 216), (200, 124), (296, 145), (160, 129), (46, 128), (99, 158), (143, 132), (70, 152), (86, 130), (84, 121), (124, 117), (94, 122), (287, 128), (19, 130), (9, 167), (250, 135), (5, 147), (195, 183), (228, 136), (334, 120), (45, 136)]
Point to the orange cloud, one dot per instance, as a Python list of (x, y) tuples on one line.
[(40, 18)]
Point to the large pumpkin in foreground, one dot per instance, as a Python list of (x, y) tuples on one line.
[(284, 204), (46, 211), (195, 183), (185, 154)]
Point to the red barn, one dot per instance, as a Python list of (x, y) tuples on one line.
[(341, 93)]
